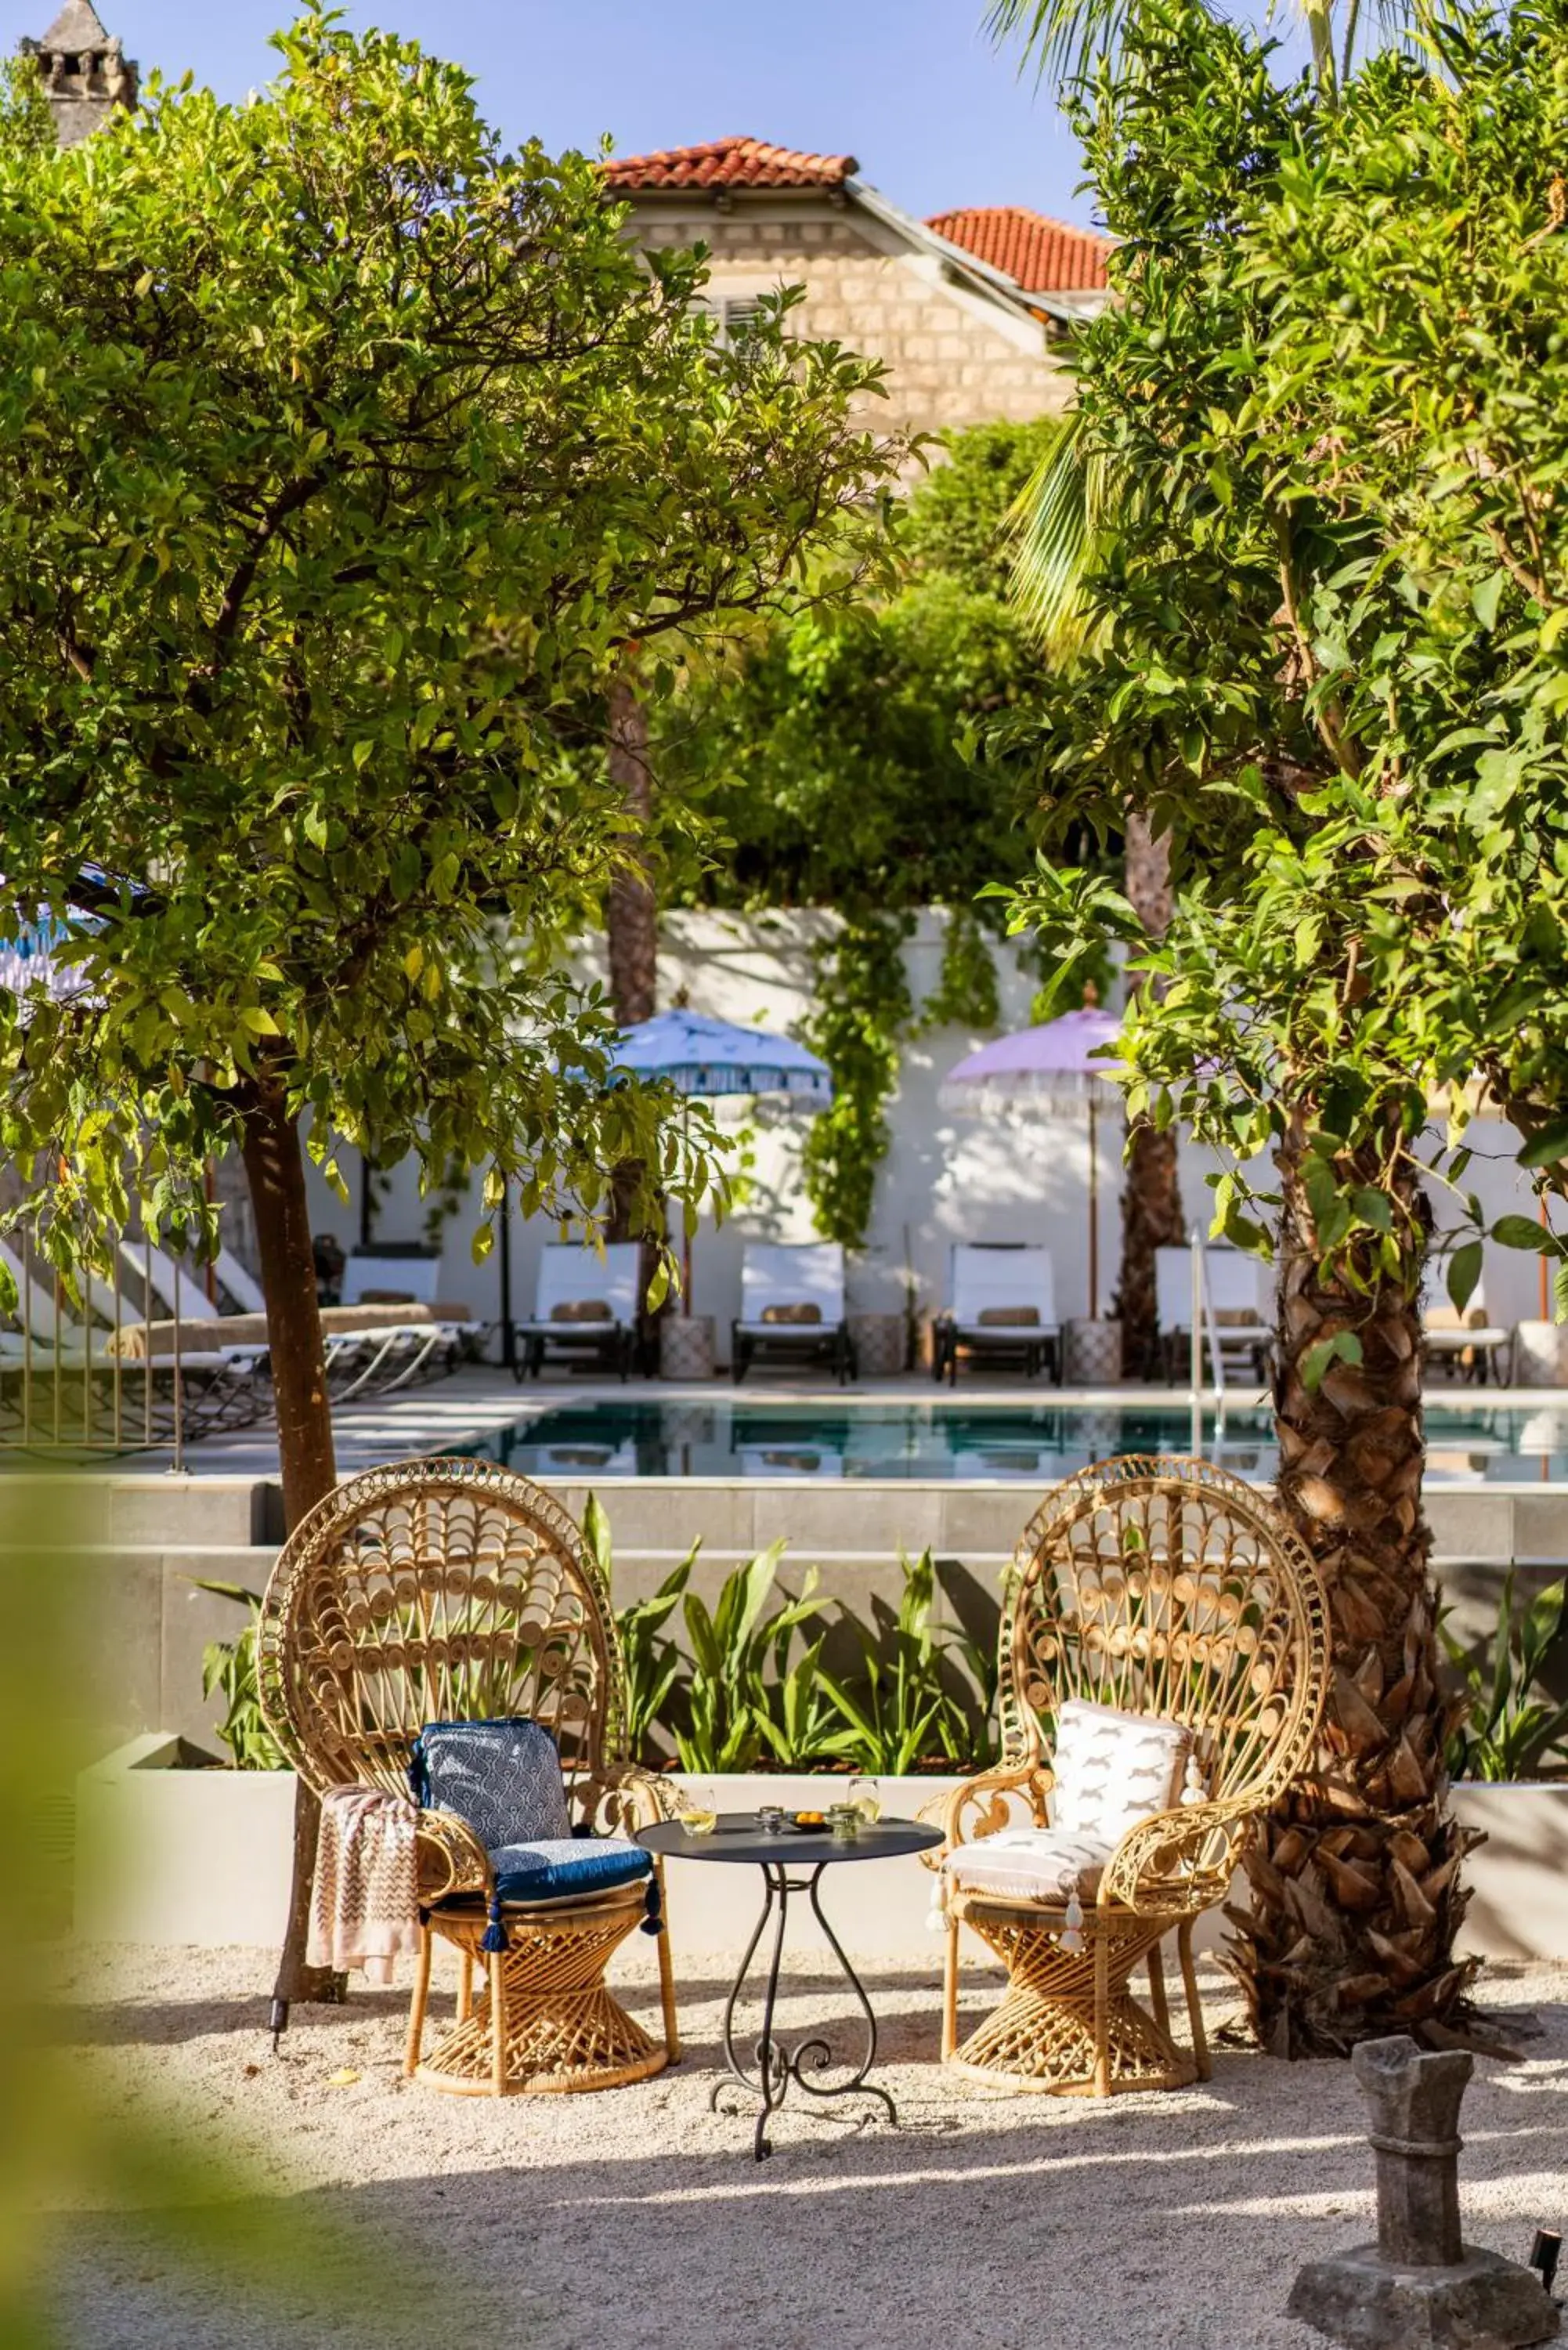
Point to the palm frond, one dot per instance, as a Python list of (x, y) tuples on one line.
[(1057, 524), (1061, 39), (1064, 39)]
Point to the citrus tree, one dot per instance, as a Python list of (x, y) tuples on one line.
[(1318, 452), (343, 456)]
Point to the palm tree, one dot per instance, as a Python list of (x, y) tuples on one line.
[(1057, 528), (1355, 1891)]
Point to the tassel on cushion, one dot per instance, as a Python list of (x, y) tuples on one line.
[(937, 1913), (493, 1938), (653, 1906), (1072, 1940)]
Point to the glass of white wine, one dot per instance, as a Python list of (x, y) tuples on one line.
[(867, 1801), (698, 1819)]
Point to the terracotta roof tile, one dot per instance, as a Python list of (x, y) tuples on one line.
[(1042, 256), (727, 164)]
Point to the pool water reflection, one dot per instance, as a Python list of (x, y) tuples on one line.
[(747, 1437)]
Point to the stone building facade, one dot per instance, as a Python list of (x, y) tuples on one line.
[(963, 342)]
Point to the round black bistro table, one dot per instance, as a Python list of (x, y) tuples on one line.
[(738, 1839)]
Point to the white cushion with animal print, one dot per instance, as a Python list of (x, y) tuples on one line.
[(1113, 1769), (1030, 1865)]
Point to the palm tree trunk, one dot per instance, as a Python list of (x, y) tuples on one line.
[(1355, 1890), (632, 917), (1151, 1190), (632, 910)]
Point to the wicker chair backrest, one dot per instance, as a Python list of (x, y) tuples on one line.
[(1169, 1587), (435, 1591)]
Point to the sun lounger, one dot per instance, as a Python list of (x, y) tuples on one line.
[(1239, 1292), (55, 1366), (1003, 1311), (792, 1308), (584, 1308), (1465, 1342), (385, 1277), (370, 1348)]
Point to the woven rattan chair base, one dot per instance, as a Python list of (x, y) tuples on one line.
[(563, 2032), (1042, 2037)]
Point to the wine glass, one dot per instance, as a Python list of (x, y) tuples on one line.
[(863, 1794), (697, 1819)]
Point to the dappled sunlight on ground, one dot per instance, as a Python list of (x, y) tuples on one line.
[(636, 2219)]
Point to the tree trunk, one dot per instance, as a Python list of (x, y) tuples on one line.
[(1356, 1892), (1151, 1191), (631, 915), (632, 910), (275, 1168)]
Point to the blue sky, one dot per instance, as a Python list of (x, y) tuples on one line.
[(912, 88)]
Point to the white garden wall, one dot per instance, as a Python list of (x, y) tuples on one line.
[(945, 1178)]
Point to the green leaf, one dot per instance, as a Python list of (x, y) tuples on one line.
[(1548, 1147), (1344, 1347), (1464, 1273), (1524, 1233)]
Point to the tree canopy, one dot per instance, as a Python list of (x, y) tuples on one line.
[(1315, 476), (343, 458), (832, 751), (833, 758), (1329, 660)]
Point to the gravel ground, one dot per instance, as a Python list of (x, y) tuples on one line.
[(383, 2213)]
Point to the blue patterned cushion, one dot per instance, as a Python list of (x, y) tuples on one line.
[(554, 1866), (503, 1777)]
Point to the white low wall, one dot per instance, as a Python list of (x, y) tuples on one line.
[(170, 1855), (944, 1178)]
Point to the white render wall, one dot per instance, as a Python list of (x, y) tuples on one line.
[(945, 1178)]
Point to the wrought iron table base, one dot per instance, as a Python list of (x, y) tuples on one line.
[(777, 2067)]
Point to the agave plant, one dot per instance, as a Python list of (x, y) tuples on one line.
[(1509, 1725)]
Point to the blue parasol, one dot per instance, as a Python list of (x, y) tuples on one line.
[(699, 1055)]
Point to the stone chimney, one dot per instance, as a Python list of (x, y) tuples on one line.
[(85, 73)]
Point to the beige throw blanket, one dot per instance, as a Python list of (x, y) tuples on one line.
[(364, 1907)]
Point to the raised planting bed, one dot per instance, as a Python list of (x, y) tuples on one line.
[(172, 1849)]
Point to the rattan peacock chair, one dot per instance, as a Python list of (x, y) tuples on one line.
[(453, 1590), (1169, 1590)]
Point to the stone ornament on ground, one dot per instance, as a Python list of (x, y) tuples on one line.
[(1420, 2287)]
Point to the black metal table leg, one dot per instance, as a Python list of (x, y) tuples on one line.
[(777, 2066)]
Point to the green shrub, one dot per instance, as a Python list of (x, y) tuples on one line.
[(229, 1668), (1509, 1725)]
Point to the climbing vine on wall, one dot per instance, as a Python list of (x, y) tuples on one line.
[(862, 1011), (965, 995)]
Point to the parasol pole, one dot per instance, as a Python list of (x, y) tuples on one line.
[(1094, 1212), (684, 1225)]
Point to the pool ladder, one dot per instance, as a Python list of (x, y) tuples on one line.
[(1202, 1321)]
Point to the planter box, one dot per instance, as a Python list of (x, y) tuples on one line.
[(169, 1854), (1518, 1878)]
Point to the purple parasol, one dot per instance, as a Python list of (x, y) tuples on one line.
[(1060, 1070)]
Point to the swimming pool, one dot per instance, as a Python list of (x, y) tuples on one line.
[(748, 1437)]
